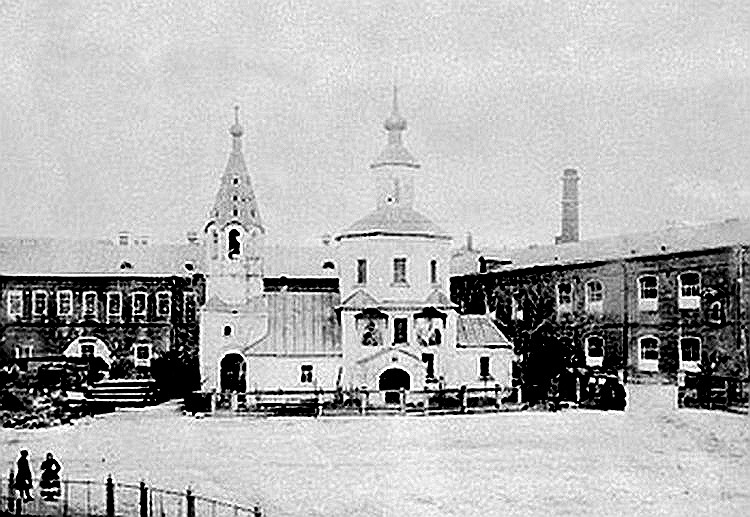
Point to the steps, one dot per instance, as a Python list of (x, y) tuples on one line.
[(122, 393)]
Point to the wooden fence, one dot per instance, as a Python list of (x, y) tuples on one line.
[(357, 401)]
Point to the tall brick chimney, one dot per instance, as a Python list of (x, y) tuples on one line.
[(569, 224)]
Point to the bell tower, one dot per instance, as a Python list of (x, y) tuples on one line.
[(234, 231)]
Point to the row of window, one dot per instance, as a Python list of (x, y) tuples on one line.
[(648, 352), (306, 370), (142, 352), (689, 296), (399, 271), (90, 308)]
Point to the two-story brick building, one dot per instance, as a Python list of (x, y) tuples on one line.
[(126, 303), (648, 304)]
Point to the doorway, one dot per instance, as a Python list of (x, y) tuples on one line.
[(391, 381), (232, 374)]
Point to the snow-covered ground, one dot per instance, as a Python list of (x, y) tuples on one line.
[(650, 460)]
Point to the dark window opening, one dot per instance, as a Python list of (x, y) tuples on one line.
[(87, 350), (306, 373), (433, 272), (328, 265), (399, 330), (429, 361), (236, 181), (399, 271), (361, 271), (228, 330), (484, 367), (234, 244)]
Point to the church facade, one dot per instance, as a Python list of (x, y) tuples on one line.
[(370, 309)]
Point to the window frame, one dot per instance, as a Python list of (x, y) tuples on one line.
[(23, 351), (400, 276), (594, 360), (15, 293), (361, 272), (434, 274), (397, 322), (58, 298), (592, 305), (114, 316), (694, 364), (692, 301), (516, 307), (143, 362), (485, 367), (94, 313), (34, 296), (648, 304), (651, 365), (168, 314), (307, 375), (189, 307), (567, 306), (139, 314)]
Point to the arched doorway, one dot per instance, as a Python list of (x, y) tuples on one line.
[(232, 375), (391, 381)]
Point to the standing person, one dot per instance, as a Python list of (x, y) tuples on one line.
[(23, 477), (49, 484)]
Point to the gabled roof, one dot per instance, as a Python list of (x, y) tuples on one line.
[(359, 299), (645, 244), (394, 220), (476, 330)]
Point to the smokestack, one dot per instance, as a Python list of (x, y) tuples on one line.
[(569, 224), (469, 241)]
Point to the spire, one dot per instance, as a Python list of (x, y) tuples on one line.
[(395, 153), (235, 200), (236, 131)]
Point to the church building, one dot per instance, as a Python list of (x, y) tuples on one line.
[(371, 309)]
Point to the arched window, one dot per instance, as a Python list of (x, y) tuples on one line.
[(564, 297), (648, 293), (594, 296), (690, 353), (648, 356), (715, 312), (233, 244), (433, 272), (689, 290), (594, 350), (227, 330)]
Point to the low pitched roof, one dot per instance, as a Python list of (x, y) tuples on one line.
[(48, 256), (52, 256), (671, 240), (477, 330)]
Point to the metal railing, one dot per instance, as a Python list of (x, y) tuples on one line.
[(87, 498)]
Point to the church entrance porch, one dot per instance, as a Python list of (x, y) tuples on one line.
[(233, 370), (391, 381)]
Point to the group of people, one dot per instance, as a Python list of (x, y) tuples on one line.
[(49, 482)]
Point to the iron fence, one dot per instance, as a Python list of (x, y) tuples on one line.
[(87, 498)]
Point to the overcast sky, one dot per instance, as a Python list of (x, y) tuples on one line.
[(115, 115)]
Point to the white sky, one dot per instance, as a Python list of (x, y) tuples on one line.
[(115, 116)]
